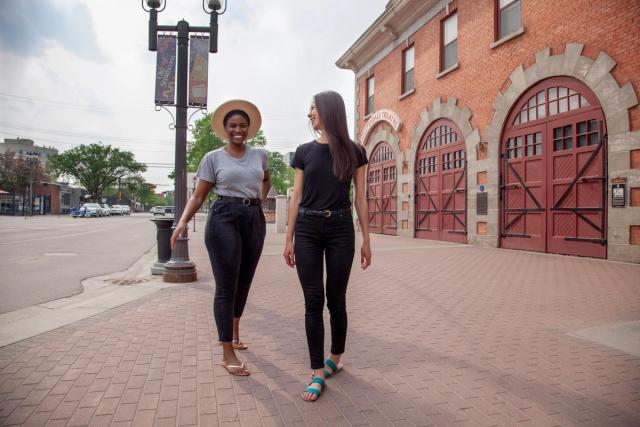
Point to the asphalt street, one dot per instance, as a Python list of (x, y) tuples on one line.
[(46, 258)]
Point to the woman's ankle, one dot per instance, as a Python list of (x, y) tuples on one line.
[(335, 357), (318, 373)]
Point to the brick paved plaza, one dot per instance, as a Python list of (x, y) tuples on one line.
[(439, 334)]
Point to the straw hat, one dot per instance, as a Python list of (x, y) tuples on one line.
[(255, 120)]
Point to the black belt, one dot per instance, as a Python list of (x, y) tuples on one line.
[(242, 200), (324, 213)]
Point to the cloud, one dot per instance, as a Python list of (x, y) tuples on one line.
[(28, 27), (276, 54)]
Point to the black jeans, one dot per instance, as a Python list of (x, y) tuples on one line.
[(319, 240), (234, 237)]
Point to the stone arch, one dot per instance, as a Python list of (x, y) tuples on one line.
[(462, 118), (382, 132), (615, 101)]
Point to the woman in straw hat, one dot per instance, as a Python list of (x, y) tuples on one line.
[(320, 221), (235, 231)]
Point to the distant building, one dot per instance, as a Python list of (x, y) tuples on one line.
[(22, 146), (288, 157)]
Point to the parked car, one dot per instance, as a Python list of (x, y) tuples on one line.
[(157, 210), (106, 210), (92, 210), (116, 210), (168, 210), (126, 210)]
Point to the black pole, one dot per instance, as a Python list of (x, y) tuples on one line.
[(179, 269), (213, 32), (153, 30)]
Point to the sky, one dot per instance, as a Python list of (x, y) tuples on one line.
[(79, 71)]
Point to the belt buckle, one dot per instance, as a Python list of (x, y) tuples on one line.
[(326, 213), (246, 202)]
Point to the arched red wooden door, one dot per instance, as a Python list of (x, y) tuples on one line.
[(441, 184), (381, 190), (553, 171)]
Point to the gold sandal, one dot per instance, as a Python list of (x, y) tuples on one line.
[(238, 370), (238, 345)]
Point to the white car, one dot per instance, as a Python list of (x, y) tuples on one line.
[(158, 210), (126, 210), (106, 210), (116, 210), (92, 209)]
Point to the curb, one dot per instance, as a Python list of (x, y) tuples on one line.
[(99, 294)]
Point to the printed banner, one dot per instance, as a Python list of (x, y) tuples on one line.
[(198, 71), (166, 70)]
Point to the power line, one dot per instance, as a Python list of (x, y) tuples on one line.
[(18, 126), (77, 144), (30, 100), (126, 139), (58, 104)]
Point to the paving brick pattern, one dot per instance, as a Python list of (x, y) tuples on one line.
[(439, 334)]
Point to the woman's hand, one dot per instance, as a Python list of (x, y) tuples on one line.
[(179, 230), (289, 256), (365, 255)]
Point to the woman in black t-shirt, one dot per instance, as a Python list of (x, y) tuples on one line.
[(320, 220)]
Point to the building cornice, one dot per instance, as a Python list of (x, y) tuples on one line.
[(397, 17)]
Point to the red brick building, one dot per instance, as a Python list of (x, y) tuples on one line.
[(509, 123)]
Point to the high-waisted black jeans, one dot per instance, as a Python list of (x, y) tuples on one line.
[(319, 240), (234, 237)]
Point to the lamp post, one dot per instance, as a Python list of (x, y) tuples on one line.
[(180, 269)]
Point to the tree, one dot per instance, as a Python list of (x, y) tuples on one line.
[(96, 166), (281, 173), (16, 173), (205, 140)]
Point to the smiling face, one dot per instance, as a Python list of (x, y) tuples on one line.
[(314, 118), (237, 128)]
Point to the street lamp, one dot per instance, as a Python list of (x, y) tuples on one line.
[(180, 269)]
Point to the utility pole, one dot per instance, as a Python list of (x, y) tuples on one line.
[(31, 161)]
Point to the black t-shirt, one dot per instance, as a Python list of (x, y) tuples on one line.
[(321, 189)]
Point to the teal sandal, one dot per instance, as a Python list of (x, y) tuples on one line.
[(312, 390), (329, 363)]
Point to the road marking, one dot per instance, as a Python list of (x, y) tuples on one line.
[(59, 254), (62, 236)]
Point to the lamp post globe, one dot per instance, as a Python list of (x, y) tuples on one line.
[(215, 4), (153, 4)]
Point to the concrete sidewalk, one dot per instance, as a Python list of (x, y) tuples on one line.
[(439, 334)]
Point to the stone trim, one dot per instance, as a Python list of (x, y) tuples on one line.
[(506, 38), (407, 94), (615, 101), (447, 71), (462, 119)]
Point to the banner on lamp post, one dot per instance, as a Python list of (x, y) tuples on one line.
[(198, 70), (166, 70)]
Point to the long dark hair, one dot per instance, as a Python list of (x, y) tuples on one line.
[(330, 108)]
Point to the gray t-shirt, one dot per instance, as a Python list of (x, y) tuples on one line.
[(232, 176)]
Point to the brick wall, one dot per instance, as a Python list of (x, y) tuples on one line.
[(52, 191), (612, 26)]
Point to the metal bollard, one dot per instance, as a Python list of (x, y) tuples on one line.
[(163, 238)]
